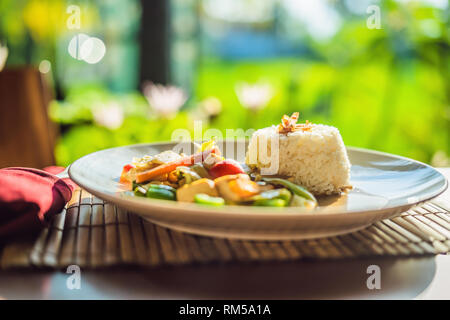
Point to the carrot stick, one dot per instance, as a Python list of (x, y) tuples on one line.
[(168, 167)]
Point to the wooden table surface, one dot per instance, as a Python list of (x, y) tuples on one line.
[(401, 278)]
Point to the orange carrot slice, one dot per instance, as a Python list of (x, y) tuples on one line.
[(243, 188), (168, 167)]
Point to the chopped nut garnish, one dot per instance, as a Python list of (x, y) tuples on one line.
[(289, 124)]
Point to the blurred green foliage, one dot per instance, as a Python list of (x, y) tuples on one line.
[(397, 107), (386, 89), (83, 135)]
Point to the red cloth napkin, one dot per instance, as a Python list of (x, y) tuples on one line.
[(29, 198)]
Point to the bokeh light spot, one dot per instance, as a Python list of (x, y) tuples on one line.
[(75, 44), (89, 49), (45, 66), (92, 50)]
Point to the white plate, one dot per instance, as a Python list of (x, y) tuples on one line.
[(384, 185)]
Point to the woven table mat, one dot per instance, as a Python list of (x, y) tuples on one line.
[(92, 233)]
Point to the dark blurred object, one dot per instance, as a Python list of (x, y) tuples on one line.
[(154, 40), (27, 137)]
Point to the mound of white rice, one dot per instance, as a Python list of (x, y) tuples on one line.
[(316, 159)]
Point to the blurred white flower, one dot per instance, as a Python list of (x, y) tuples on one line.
[(211, 106), (164, 100), (440, 159), (3, 56), (109, 115), (197, 114), (254, 96)]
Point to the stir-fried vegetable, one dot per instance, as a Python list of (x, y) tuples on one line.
[(208, 145), (270, 203), (140, 191), (160, 193), (296, 189), (243, 188), (203, 198), (283, 193), (187, 175), (200, 170), (159, 186), (124, 176), (233, 189), (270, 198), (172, 176), (236, 188), (168, 167), (156, 191), (187, 192)]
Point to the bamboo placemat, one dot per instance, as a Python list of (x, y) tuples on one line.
[(92, 233)]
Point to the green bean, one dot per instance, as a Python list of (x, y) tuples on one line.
[(296, 189), (160, 186), (158, 192), (283, 193), (270, 202), (203, 198)]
